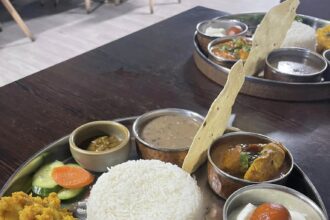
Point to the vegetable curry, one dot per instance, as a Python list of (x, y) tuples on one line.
[(234, 49)]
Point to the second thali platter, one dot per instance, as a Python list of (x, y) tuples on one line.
[(260, 86)]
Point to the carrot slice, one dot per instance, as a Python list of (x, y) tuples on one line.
[(72, 177)]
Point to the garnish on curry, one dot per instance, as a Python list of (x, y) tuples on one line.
[(234, 49), (254, 162)]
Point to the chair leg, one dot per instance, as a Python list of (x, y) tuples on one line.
[(151, 6), (88, 6), (179, 1), (10, 8)]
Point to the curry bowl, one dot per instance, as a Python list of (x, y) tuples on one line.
[(295, 65), (166, 134), (94, 135), (212, 29), (245, 201), (326, 55), (227, 51), (239, 159)]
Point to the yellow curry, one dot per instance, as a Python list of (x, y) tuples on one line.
[(323, 38), (103, 143), (21, 206)]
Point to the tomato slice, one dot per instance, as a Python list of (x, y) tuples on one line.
[(234, 30)]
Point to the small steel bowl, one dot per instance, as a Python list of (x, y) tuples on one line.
[(222, 61), (326, 55), (148, 151), (271, 193), (298, 55), (204, 39), (100, 161), (224, 184)]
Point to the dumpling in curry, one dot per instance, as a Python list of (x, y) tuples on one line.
[(230, 161), (267, 164)]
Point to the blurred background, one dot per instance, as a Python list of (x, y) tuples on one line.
[(63, 29)]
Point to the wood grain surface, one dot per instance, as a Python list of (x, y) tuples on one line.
[(315, 8), (150, 69)]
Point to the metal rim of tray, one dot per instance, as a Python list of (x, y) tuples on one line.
[(318, 200), (261, 87)]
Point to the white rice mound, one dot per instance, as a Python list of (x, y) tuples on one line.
[(145, 190), (300, 35)]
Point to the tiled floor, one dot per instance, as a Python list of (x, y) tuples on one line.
[(67, 31)]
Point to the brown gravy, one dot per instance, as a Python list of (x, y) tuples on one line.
[(218, 156), (170, 131)]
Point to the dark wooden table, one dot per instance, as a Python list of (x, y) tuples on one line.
[(316, 8), (147, 70)]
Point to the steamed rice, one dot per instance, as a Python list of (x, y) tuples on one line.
[(143, 190), (300, 35)]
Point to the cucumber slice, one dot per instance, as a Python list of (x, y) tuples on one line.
[(42, 182), (45, 191), (65, 194)]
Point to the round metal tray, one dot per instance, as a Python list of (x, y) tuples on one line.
[(260, 87), (21, 180)]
